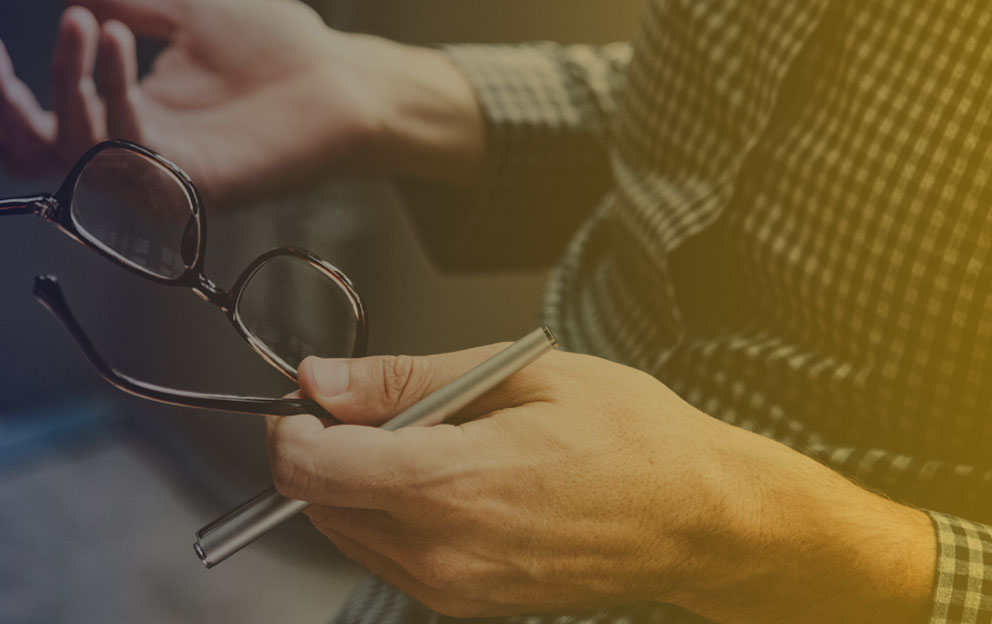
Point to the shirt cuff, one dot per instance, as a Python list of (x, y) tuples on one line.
[(545, 164), (963, 582)]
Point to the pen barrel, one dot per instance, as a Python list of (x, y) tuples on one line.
[(241, 526), (454, 396)]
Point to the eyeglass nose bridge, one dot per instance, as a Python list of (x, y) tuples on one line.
[(212, 293)]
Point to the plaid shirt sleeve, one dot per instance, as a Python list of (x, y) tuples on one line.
[(549, 112), (963, 581)]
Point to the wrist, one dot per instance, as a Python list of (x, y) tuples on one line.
[(422, 119), (802, 543)]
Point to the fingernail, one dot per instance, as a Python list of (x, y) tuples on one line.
[(329, 376)]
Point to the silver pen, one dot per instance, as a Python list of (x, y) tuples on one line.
[(241, 526)]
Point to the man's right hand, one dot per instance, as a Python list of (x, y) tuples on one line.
[(250, 97)]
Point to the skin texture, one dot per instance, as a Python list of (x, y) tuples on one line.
[(581, 483), (578, 483), (251, 97)]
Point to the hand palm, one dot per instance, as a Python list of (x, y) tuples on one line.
[(245, 97)]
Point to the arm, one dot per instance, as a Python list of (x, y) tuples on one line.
[(251, 97), (548, 112), (256, 98), (584, 484)]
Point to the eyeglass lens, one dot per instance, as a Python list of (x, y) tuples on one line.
[(138, 211), (294, 309)]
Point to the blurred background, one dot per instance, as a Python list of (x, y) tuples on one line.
[(101, 493)]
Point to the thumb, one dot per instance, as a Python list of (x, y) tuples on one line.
[(371, 390)]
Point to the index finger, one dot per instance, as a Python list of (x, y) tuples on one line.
[(348, 468), (154, 18), (360, 467)]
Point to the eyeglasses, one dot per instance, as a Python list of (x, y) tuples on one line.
[(141, 211)]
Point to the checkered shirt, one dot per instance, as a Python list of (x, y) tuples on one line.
[(783, 210)]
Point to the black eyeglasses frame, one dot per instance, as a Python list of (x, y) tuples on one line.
[(56, 209)]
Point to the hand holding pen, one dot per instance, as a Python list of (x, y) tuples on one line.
[(249, 521), (577, 483)]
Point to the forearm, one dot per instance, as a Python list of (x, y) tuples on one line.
[(804, 544), (425, 121)]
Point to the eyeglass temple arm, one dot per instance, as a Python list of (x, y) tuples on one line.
[(36, 204), (47, 291)]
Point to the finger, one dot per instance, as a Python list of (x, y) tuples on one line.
[(362, 467), (271, 422), (154, 18), (357, 467), (27, 132), (353, 468), (371, 390), (118, 71), (77, 105), (289, 440)]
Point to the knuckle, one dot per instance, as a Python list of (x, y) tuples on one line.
[(288, 479), (284, 477), (435, 569), (401, 374), (290, 474)]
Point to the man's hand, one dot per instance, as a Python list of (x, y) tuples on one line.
[(250, 96), (581, 483)]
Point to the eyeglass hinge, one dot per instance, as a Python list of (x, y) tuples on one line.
[(45, 206)]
